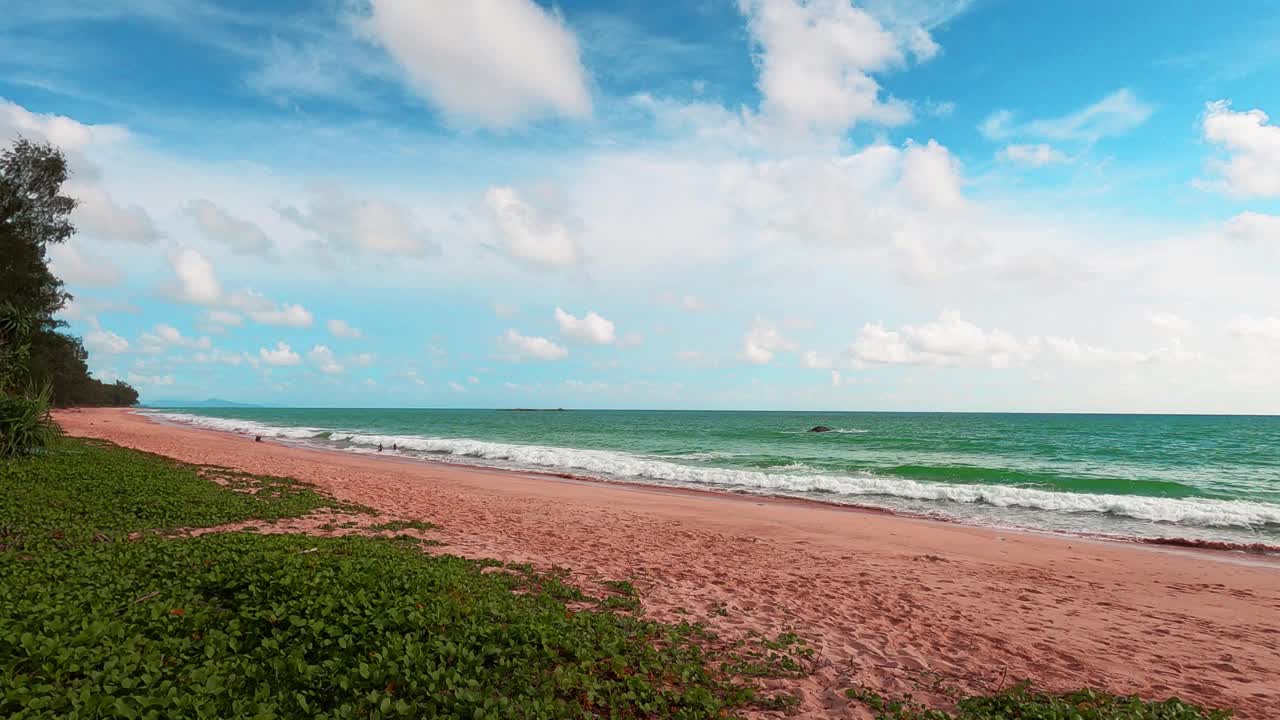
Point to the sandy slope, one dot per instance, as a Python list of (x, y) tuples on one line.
[(886, 600)]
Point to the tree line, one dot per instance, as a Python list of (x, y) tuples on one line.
[(37, 356)]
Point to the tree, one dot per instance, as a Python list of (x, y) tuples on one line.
[(34, 214)]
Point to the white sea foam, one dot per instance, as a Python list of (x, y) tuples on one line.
[(1202, 512)]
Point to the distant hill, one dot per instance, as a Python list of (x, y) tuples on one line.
[(210, 403)]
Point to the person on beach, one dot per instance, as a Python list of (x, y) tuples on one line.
[(395, 446), (257, 438), (379, 447)]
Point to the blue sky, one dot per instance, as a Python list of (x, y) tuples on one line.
[(891, 204)]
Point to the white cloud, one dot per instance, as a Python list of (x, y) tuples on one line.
[(489, 62), (1252, 166), (519, 347), (163, 336), (1034, 156), (949, 340), (340, 329), (931, 175), (473, 380), (281, 355), (1253, 327), (1113, 115), (1167, 320), (105, 341), (591, 328), (286, 315), (528, 234), (346, 223), (815, 360), (324, 360), (456, 387), (216, 224), (197, 281), (223, 357), (68, 134), (363, 359), (1254, 227), (505, 310), (762, 341), (75, 269), (198, 284), (97, 213), (816, 58), (815, 61)]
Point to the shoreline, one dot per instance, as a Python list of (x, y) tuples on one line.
[(1192, 544), (885, 599)]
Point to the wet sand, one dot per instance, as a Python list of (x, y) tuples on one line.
[(888, 602)]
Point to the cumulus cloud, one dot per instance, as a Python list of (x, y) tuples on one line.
[(324, 360), (1251, 167), (219, 320), (1254, 227), (492, 63), (530, 235), (591, 328), (105, 341), (1254, 327), (66, 261), (163, 337), (1032, 156), (69, 134), (931, 175), (340, 329), (97, 213), (197, 281), (287, 315), (456, 387), (517, 347), (345, 223), (762, 342), (281, 355), (949, 340), (816, 59), (1113, 115), (197, 284), (218, 225)]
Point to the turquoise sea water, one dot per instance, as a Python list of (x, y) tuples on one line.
[(1173, 476)]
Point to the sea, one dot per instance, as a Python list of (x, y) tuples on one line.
[(1199, 479)]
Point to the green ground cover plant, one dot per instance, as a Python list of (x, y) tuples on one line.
[(95, 624), (1022, 702)]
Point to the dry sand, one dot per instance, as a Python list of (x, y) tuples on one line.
[(887, 601)]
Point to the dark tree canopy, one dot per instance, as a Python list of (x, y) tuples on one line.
[(33, 215)]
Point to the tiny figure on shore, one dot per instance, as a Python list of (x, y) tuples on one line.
[(395, 446), (379, 447), (257, 438)]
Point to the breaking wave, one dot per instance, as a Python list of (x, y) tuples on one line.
[(1200, 512)]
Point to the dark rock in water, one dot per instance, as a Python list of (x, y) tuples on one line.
[(820, 428)]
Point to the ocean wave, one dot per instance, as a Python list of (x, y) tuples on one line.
[(1201, 512)]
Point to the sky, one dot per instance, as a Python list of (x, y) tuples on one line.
[(950, 205)]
